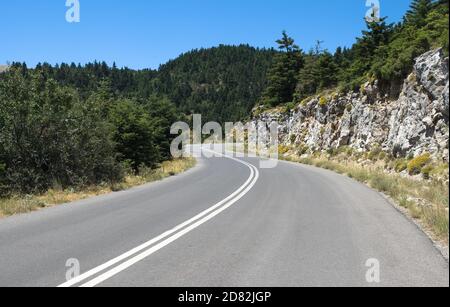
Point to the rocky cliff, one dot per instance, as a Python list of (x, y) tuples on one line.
[(413, 124)]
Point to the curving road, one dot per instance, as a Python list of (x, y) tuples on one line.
[(223, 223)]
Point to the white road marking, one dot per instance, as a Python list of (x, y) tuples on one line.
[(172, 235)]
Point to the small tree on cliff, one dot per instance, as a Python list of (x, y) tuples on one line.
[(282, 77)]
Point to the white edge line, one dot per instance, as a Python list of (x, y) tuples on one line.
[(135, 250)]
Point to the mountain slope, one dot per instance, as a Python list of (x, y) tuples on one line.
[(222, 83)]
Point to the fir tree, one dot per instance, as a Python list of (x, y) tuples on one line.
[(283, 76)]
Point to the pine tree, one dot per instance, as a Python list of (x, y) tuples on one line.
[(319, 72), (282, 77), (327, 70), (377, 34), (418, 12)]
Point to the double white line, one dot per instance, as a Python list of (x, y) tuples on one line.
[(126, 260)]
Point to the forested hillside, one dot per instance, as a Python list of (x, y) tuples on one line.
[(222, 84), (54, 134), (72, 126), (385, 52)]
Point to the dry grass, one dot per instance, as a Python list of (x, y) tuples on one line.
[(23, 204)]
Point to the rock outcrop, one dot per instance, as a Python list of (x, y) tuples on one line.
[(415, 123)]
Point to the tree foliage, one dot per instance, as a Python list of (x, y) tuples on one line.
[(222, 83), (283, 75), (418, 12), (49, 137), (55, 134), (384, 51)]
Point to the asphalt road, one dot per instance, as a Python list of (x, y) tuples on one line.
[(223, 223)]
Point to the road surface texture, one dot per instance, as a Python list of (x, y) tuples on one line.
[(223, 223)]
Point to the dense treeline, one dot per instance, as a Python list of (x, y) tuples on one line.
[(70, 125), (53, 133), (385, 52), (222, 84)]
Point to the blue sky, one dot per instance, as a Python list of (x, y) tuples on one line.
[(146, 33)]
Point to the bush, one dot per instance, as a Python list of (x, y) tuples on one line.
[(282, 149), (400, 166), (374, 154), (426, 171), (290, 106), (303, 149), (382, 156), (346, 150), (416, 165), (293, 138), (60, 140), (332, 152), (323, 101), (134, 134)]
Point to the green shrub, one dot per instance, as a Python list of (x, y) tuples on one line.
[(374, 153), (415, 165), (282, 149), (441, 169), (332, 152), (323, 101), (293, 138), (426, 171), (290, 106), (62, 137), (382, 156), (303, 149), (400, 166), (348, 151)]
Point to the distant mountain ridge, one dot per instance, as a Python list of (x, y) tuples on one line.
[(222, 83)]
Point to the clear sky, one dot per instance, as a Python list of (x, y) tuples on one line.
[(147, 33)]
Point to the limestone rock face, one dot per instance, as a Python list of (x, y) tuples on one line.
[(415, 123)]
